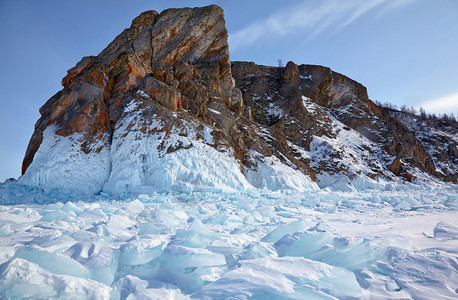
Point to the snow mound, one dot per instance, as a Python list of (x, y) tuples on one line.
[(445, 230), (272, 174), (20, 279), (283, 278)]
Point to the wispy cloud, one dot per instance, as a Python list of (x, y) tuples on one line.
[(447, 104), (392, 5), (312, 17)]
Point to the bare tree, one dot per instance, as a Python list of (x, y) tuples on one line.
[(422, 114)]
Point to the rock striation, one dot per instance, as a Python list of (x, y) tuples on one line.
[(162, 107)]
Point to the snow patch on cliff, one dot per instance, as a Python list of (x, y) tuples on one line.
[(146, 156), (61, 163), (270, 173)]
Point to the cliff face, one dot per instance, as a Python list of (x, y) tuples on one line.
[(312, 105), (179, 58), (440, 138), (162, 107), (155, 80)]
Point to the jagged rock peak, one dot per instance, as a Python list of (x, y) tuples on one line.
[(145, 19), (179, 58)]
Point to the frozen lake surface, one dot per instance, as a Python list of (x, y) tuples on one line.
[(400, 243)]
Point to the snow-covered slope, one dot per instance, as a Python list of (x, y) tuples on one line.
[(440, 139), (152, 152), (344, 159), (324, 124), (60, 163), (146, 155)]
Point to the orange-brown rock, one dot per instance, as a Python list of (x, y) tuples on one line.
[(176, 59), (174, 67)]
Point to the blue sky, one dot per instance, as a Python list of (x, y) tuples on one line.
[(403, 51)]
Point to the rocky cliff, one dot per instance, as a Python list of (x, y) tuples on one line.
[(163, 108), (327, 121), (440, 138)]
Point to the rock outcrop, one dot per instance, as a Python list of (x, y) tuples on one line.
[(173, 65), (440, 139), (304, 100), (179, 58), (163, 107)]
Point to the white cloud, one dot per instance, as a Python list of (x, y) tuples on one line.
[(392, 5), (447, 104), (310, 18), (359, 8)]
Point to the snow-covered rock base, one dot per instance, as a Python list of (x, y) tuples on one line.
[(393, 244), (150, 154)]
